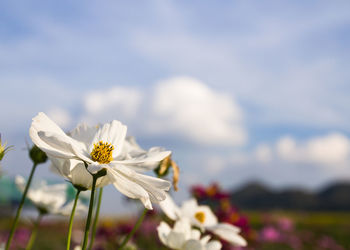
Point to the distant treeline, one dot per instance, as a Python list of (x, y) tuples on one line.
[(256, 196)]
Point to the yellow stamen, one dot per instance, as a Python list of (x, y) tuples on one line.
[(102, 152), (200, 216)]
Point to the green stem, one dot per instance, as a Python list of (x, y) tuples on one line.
[(94, 225), (91, 205), (71, 219), (34, 232), (137, 225), (19, 210)]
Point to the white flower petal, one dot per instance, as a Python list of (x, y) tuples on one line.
[(43, 127), (128, 187), (155, 187), (163, 231), (49, 150), (195, 234), (81, 177), (96, 167), (65, 145), (213, 245), (113, 133), (205, 239), (60, 166), (229, 233), (84, 133), (210, 217), (142, 161), (183, 226), (42, 122), (193, 245), (189, 208), (170, 208), (175, 240)]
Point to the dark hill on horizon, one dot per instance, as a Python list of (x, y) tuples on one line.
[(257, 196)]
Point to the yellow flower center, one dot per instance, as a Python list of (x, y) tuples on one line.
[(102, 152), (200, 216)]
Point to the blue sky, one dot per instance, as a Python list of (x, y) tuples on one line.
[(237, 90)]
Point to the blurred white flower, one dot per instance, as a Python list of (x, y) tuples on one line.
[(183, 237), (101, 148), (49, 199), (202, 217)]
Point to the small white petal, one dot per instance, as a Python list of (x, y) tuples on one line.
[(189, 208), (213, 245), (163, 231), (96, 167), (193, 245), (195, 234), (176, 240), (170, 208), (60, 166), (81, 177), (183, 226), (210, 217), (205, 239), (229, 233)]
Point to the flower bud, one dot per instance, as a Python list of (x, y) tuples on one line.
[(37, 155), (3, 149), (163, 170)]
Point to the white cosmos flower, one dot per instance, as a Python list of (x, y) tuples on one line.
[(49, 199), (183, 237), (75, 171), (202, 217), (101, 148)]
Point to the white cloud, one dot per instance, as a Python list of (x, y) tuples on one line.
[(331, 149), (120, 103), (187, 107), (215, 164), (263, 153)]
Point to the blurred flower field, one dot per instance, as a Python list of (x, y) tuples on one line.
[(263, 229)]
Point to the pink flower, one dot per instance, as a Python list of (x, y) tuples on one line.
[(270, 234)]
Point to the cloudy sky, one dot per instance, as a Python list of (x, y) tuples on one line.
[(238, 90)]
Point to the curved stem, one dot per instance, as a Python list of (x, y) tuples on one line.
[(137, 225), (71, 219), (91, 205), (94, 225), (34, 232), (19, 210)]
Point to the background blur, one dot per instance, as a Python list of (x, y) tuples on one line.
[(239, 91)]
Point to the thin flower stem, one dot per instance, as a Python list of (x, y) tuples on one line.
[(19, 210), (91, 205), (137, 225), (71, 219), (94, 225), (34, 232)]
